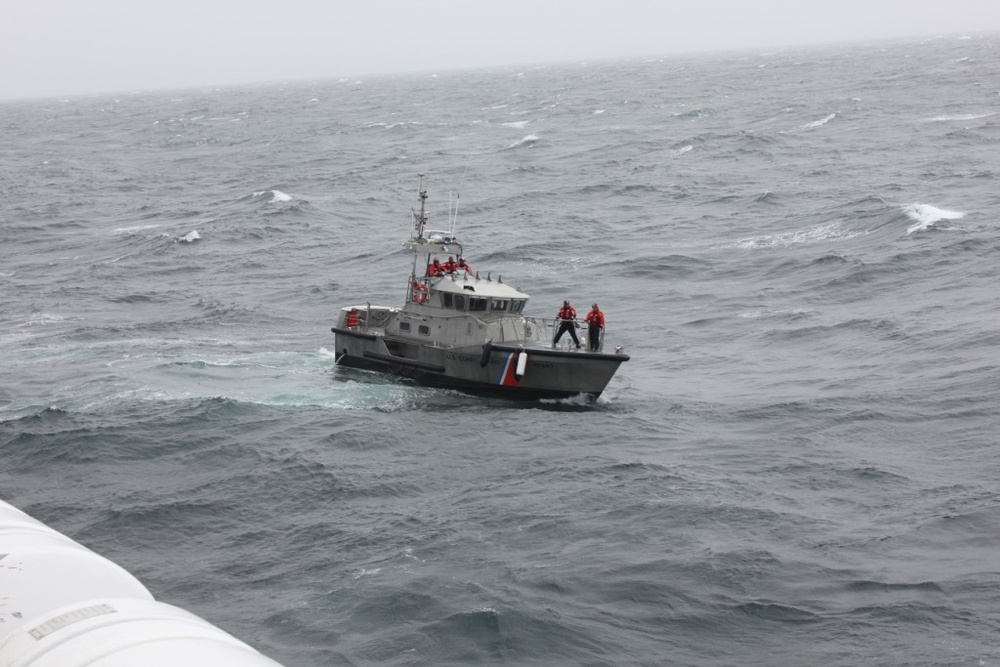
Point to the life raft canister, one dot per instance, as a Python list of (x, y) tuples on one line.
[(352, 319)]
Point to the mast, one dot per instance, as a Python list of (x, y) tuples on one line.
[(429, 241)]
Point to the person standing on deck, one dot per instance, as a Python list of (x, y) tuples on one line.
[(595, 325), (567, 322)]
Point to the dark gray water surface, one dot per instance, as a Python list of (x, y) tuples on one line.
[(798, 249)]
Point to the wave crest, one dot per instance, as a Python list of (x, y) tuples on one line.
[(527, 141), (925, 216), (277, 196)]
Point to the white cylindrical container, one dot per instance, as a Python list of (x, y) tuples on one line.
[(41, 569), (122, 632), (62, 605)]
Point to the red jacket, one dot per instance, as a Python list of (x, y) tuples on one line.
[(595, 318), (567, 313)]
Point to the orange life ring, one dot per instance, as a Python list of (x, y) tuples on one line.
[(419, 292)]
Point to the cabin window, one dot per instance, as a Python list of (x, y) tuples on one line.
[(517, 305), (447, 299), (459, 302), (404, 326), (498, 304), (478, 304), (424, 330)]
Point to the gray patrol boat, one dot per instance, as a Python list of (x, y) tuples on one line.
[(458, 329)]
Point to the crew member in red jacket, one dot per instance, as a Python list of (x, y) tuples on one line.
[(567, 322), (595, 325)]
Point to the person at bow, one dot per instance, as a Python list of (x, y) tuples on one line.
[(595, 326), (567, 322)]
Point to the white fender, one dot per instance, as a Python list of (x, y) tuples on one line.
[(522, 363)]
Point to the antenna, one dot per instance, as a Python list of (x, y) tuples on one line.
[(420, 219), (454, 219)]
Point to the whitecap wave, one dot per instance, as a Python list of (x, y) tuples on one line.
[(826, 232), (820, 122), (366, 573), (518, 124), (960, 117), (529, 140), (926, 216), (36, 319), (133, 230), (276, 195), (190, 237), (810, 126), (683, 149), (762, 313)]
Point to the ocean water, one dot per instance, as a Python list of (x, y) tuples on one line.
[(799, 250)]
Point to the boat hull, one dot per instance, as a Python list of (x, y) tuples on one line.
[(483, 369)]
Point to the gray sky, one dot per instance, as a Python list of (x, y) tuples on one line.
[(67, 47)]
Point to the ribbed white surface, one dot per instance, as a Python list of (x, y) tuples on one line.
[(62, 605)]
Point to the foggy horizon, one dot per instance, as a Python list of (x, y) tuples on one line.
[(56, 48)]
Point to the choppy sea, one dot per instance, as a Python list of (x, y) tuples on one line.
[(799, 249)]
